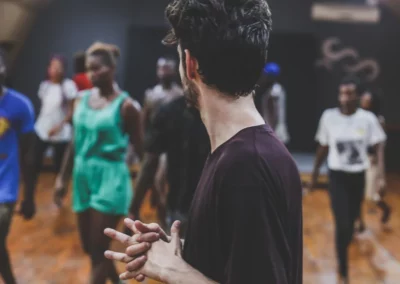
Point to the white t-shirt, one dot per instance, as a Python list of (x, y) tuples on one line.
[(54, 109), (348, 138)]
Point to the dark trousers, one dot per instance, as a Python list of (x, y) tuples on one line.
[(58, 150), (58, 155), (346, 191), (6, 213)]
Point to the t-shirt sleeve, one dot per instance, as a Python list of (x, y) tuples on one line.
[(70, 90), (249, 223), (157, 133), (376, 133), (42, 89), (27, 117), (322, 136)]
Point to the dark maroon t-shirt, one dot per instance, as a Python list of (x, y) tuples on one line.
[(245, 223)]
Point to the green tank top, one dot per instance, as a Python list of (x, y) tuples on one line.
[(98, 133)]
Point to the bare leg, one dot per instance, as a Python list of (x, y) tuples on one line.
[(5, 264), (102, 268), (84, 230)]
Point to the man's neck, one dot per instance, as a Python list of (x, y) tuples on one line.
[(224, 116)]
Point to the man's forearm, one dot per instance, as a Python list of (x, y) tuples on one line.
[(321, 154), (182, 273)]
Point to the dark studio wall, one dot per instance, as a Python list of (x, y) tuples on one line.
[(67, 26)]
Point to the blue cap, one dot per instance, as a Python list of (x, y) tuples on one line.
[(272, 69)]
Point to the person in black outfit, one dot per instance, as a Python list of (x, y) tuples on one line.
[(245, 221), (178, 131)]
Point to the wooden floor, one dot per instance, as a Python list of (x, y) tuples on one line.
[(47, 249)]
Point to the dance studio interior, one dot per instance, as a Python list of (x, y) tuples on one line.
[(87, 162)]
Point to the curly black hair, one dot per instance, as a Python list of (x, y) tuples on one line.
[(229, 39)]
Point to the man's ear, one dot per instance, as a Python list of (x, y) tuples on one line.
[(191, 65)]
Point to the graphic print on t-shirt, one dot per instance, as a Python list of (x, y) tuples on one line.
[(350, 151), (4, 126)]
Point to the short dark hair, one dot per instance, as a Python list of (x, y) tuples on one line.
[(106, 55), (353, 80), (229, 39)]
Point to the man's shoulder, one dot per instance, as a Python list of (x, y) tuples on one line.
[(19, 100), (253, 152), (362, 113), (330, 111), (330, 114)]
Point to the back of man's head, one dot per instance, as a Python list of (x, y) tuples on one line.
[(228, 38)]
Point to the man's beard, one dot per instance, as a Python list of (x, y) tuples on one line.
[(191, 93)]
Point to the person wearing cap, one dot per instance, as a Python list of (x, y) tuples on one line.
[(272, 101)]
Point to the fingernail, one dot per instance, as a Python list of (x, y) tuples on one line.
[(157, 235)]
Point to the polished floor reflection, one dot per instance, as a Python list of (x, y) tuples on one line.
[(47, 249)]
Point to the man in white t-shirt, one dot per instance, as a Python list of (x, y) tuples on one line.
[(344, 135)]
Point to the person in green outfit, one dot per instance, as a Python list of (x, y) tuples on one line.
[(105, 121)]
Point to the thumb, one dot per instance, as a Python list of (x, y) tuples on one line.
[(175, 239)]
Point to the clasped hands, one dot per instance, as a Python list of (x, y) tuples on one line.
[(149, 251)]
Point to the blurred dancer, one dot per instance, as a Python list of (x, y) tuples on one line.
[(177, 131), (375, 183), (53, 127), (105, 120), (344, 135), (272, 102), (65, 173), (165, 91), (16, 129)]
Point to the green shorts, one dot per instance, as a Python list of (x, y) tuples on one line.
[(101, 185)]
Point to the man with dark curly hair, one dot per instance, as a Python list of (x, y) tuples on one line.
[(245, 223)]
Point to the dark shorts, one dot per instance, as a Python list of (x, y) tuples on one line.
[(6, 213)]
